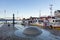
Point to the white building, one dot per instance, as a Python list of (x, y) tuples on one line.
[(57, 14)]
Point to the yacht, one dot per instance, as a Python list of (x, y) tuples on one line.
[(55, 23)]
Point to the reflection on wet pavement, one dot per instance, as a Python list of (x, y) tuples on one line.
[(1, 25), (46, 35)]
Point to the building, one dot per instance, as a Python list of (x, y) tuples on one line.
[(57, 13)]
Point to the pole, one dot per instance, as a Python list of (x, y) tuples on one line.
[(13, 25), (51, 9), (40, 13), (13, 21), (17, 14), (5, 13)]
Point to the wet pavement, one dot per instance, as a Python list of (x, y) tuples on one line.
[(18, 33), (45, 35), (1, 25)]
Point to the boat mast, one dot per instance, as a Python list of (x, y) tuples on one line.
[(51, 9), (40, 13)]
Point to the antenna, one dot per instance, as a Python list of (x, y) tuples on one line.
[(51, 9)]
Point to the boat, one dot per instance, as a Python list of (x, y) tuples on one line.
[(36, 22), (55, 23)]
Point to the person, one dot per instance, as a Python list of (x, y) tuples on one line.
[(8, 24), (46, 23)]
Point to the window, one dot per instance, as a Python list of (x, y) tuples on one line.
[(53, 20), (57, 20), (40, 21)]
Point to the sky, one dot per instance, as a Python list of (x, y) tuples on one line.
[(27, 8)]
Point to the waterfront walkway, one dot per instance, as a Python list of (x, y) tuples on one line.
[(9, 33), (6, 31)]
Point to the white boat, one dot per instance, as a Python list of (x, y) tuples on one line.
[(36, 22), (55, 23)]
